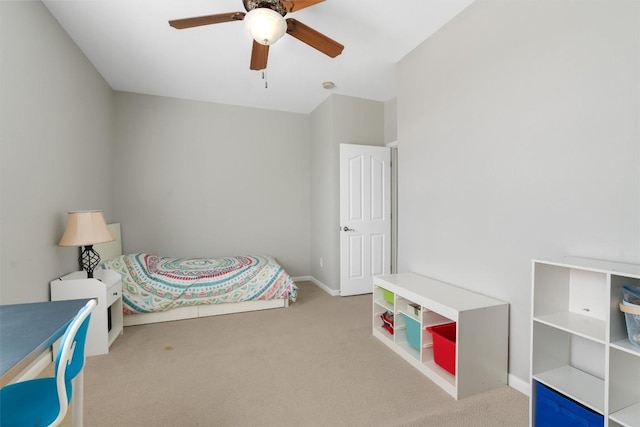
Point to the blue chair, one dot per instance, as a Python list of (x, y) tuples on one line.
[(44, 401)]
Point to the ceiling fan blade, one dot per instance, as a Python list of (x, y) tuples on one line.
[(197, 21), (259, 56), (313, 38), (294, 5)]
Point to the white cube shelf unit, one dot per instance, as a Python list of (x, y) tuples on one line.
[(482, 328), (579, 340)]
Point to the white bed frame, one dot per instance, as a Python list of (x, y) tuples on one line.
[(114, 249)]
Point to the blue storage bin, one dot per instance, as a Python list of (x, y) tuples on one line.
[(554, 409), (413, 331)]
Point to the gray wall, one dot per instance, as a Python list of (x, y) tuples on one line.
[(340, 119), (518, 126), (184, 178), (195, 179), (391, 121), (55, 152), (519, 138)]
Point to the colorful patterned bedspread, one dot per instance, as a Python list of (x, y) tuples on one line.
[(151, 283)]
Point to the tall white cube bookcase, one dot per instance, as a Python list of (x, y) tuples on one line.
[(579, 341)]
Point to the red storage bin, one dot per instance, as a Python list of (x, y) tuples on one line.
[(444, 346)]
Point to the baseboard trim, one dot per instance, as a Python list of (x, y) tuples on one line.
[(332, 292), (519, 385)]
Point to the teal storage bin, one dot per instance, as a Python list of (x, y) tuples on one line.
[(413, 331)]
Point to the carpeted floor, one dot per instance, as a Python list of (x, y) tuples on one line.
[(312, 364)]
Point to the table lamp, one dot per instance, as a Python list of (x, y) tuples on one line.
[(86, 228)]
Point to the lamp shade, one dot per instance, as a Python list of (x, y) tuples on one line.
[(85, 228), (265, 25)]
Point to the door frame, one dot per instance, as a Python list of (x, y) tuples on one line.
[(393, 146), (369, 241)]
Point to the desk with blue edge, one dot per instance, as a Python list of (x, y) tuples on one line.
[(27, 331)]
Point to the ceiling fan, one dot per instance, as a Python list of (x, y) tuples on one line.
[(265, 19)]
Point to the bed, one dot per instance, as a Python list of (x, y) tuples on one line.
[(158, 289)]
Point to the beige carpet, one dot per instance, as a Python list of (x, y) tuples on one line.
[(313, 364)]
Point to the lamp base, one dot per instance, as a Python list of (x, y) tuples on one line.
[(89, 260)]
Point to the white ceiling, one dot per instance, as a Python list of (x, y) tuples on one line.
[(133, 47)]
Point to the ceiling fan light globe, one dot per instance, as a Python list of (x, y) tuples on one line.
[(265, 25)]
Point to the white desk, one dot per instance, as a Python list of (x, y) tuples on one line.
[(28, 330)]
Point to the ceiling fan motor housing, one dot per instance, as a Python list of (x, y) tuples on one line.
[(266, 23), (275, 5)]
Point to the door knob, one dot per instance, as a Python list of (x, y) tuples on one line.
[(345, 228)]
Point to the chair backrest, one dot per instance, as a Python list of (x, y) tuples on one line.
[(70, 360)]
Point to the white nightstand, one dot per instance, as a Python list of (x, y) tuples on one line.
[(106, 320)]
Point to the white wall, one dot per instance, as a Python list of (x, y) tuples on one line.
[(324, 207), (195, 179), (68, 145), (340, 119), (55, 152), (519, 139), (391, 121)]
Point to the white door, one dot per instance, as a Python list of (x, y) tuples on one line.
[(365, 217)]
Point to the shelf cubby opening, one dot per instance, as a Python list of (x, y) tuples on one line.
[(402, 306), (378, 312), (571, 299), (431, 318), (405, 306), (624, 394), (383, 298), (617, 325), (378, 322), (569, 364)]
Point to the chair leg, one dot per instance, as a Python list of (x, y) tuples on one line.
[(77, 400)]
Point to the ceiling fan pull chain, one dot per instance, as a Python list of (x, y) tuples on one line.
[(264, 77)]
